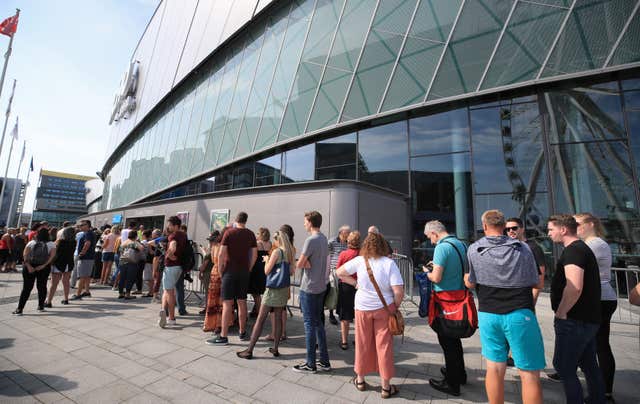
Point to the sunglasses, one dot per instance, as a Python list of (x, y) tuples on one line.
[(514, 228)]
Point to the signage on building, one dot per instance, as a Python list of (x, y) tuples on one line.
[(125, 100)]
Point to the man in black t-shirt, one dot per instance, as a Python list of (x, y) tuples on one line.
[(515, 229), (575, 299)]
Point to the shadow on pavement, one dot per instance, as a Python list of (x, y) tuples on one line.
[(22, 378), (6, 342)]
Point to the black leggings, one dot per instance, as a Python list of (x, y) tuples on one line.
[(605, 357), (40, 279)]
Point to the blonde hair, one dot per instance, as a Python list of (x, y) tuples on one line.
[(353, 240), (493, 218), (283, 242), (586, 217)]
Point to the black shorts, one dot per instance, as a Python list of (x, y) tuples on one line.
[(346, 301), (64, 265), (235, 285), (6, 256)]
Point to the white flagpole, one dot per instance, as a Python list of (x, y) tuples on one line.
[(6, 57), (26, 187), (18, 184), (6, 119), (6, 171)]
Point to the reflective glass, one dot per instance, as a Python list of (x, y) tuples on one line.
[(298, 164), (202, 132), (241, 93), (351, 33), (282, 80), (323, 27), (179, 156), (524, 45), (440, 133), (508, 155), (329, 100), (589, 35), (533, 209), (470, 47), (347, 172), (336, 151), (585, 113), (383, 156), (434, 19), (243, 175), (268, 171), (632, 100), (394, 15), (413, 74), (373, 73), (628, 50), (633, 119), (223, 180)]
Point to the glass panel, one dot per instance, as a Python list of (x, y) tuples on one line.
[(351, 34), (628, 50), (633, 119), (268, 170), (440, 190), (347, 172), (524, 45), (373, 73), (413, 74), (314, 56), (298, 164), (383, 156), (282, 80), (179, 156), (630, 84), (301, 9), (440, 133), (632, 100), (206, 131), (241, 94), (394, 15), (591, 31), (470, 47), (337, 151), (583, 113), (533, 209), (243, 175), (596, 178), (329, 101), (507, 150), (224, 179), (434, 19)]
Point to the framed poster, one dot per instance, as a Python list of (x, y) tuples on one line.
[(184, 218), (219, 219)]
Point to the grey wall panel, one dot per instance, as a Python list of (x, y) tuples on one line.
[(389, 213), (241, 12)]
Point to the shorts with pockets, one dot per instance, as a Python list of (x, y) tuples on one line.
[(518, 330), (85, 268), (235, 284), (170, 277), (107, 256)]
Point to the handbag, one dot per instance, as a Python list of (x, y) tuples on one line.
[(425, 288), (280, 275), (396, 321), (331, 298), (452, 313)]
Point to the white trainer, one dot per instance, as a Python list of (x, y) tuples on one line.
[(162, 320)]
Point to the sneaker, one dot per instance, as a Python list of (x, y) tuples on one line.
[(183, 313), (243, 336), (76, 297), (555, 376), (40, 308), (333, 320), (218, 341), (325, 367), (304, 368), (17, 312), (85, 294), (65, 302), (48, 305), (162, 319), (171, 323)]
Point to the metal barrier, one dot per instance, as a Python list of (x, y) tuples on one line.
[(623, 280), (405, 264), (196, 288)]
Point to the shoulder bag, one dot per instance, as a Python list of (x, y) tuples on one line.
[(280, 275), (396, 321), (452, 313)]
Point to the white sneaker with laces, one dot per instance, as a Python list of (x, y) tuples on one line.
[(162, 320), (171, 323)]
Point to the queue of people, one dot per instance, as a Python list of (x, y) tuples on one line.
[(505, 270)]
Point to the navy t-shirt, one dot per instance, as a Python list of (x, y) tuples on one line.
[(87, 236)]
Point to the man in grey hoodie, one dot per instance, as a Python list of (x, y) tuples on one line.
[(503, 272)]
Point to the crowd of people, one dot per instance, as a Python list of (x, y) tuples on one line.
[(505, 270)]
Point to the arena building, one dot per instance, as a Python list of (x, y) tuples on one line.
[(386, 112)]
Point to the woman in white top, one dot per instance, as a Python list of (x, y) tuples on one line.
[(374, 343), (590, 230)]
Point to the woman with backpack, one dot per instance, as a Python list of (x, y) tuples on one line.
[(62, 264), (276, 294), (130, 253), (38, 255)]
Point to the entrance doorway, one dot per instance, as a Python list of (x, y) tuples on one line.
[(149, 222)]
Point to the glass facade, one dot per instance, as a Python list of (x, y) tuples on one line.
[(307, 65)]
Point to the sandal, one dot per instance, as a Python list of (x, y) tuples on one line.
[(270, 338), (392, 391), (246, 354), (283, 338), (274, 352), (344, 346), (361, 386)]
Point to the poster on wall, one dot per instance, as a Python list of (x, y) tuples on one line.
[(219, 219), (184, 218)]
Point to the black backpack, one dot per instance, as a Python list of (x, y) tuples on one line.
[(188, 257), (39, 254)]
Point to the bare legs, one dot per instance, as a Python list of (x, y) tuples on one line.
[(106, 271), (344, 331), (55, 278), (66, 284), (494, 383), (169, 302)]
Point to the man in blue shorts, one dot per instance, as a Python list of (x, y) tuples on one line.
[(503, 272)]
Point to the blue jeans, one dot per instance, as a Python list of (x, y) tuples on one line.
[(576, 346), (127, 276), (312, 306), (180, 294)]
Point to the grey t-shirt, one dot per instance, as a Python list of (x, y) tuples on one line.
[(314, 279), (602, 251)]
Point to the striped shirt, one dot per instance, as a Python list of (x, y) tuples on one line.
[(335, 248)]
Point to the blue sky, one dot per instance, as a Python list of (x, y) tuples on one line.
[(68, 57)]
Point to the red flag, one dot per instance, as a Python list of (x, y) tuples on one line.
[(9, 26)]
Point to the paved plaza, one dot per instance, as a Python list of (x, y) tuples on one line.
[(104, 350)]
